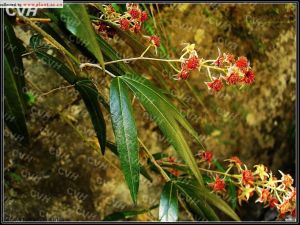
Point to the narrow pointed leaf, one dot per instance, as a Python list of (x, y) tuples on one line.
[(14, 111), (168, 206), (14, 49), (90, 96), (87, 90), (125, 134), (165, 116), (143, 170), (205, 195), (198, 205), (77, 21)]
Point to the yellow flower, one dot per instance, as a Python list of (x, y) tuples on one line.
[(245, 193), (272, 181), (261, 171)]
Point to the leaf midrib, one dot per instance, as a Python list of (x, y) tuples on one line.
[(127, 146)]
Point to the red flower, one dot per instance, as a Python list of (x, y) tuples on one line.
[(218, 185), (207, 156), (229, 58), (249, 77), (175, 172), (233, 79), (144, 16), (135, 13), (124, 24), (272, 202), (247, 177), (216, 85), (192, 63), (184, 74), (242, 62), (155, 40)]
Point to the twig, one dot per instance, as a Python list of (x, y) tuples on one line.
[(152, 159), (82, 65), (55, 89)]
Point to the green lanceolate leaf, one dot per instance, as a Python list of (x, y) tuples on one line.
[(14, 49), (166, 117), (168, 206), (125, 134), (14, 112), (90, 96), (143, 170), (76, 20), (111, 54), (87, 90), (200, 207), (207, 197)]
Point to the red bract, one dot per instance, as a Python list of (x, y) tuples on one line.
[(124, 24), (247, 177), (144, 16), (155, 40), (218, 185), (216, 85), (233, 79), (242, 62), (249, 77), (135, 13), (192, 63), (184, 74)]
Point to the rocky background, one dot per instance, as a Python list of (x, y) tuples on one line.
[(62, 176)]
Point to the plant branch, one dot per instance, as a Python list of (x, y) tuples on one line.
[(152, 159)]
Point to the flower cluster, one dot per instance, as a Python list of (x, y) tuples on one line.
[(237, 71), (190, 63), (271, 192), (233, 71), (104, 30), (260, 182), (133, 18)]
